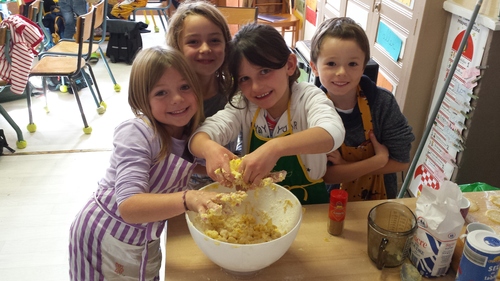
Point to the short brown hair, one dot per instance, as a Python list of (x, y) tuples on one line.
[(343, 28)]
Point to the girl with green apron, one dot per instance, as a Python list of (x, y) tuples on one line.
[(285, 125), (308, 191)]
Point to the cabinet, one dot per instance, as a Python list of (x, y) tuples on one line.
[(420, 25)]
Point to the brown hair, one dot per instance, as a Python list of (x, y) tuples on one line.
[(210, 12), (343, 28), (261, 45), (147, 69)]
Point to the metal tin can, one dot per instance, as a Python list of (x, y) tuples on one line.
[(480, 258)]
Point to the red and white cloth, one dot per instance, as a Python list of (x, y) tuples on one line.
[(426, 178), (25, 36)]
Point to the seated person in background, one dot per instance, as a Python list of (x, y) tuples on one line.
[(123, 8), (378, 138), (70, 8)]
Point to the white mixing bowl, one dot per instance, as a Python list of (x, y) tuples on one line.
[(277, 203)]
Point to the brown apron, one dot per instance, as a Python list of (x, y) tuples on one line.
[(367, 187)]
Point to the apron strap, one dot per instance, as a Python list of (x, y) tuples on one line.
[(366, 116)]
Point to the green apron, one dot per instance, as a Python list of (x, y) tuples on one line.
[(297, 179)]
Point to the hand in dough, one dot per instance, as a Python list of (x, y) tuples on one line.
[(237, 181)]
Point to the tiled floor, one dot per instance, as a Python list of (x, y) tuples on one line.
[(43, 186), (39, 196)]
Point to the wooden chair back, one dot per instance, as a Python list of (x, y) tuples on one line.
[(85, 31), (3, 35), (272, 6), (100, 13), (35, 11), (12, 6), (282, 17), (239, 15)]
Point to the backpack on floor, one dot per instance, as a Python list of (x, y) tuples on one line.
[(124, 40), (54, 83), (4, 144)]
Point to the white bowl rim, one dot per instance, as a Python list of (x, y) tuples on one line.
[(234, 245)]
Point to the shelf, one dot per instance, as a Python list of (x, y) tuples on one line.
[(491, 23)]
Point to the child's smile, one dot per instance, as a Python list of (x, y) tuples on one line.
[(340, 66), (173, 102), (266, 87), (264, 95), (203, 44)]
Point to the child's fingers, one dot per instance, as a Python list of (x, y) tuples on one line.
[(373, 138)]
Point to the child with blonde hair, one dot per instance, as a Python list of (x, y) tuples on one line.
[(115, 236), (201, 33)]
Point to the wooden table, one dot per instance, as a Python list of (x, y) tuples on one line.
[(314, 255)]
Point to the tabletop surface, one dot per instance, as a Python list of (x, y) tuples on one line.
[(314, 254)]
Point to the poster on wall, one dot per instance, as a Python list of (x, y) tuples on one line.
[(300, 6), (311, 6), (299, 9), (438, 159), (408, 3)]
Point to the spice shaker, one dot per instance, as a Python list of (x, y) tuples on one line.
[(336, 212)]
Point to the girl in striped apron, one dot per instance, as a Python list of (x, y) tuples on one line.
[(115, 236)]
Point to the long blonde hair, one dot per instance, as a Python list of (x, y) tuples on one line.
[(210, 12), (147, 69)]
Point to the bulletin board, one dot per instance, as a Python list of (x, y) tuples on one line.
[(438, 159)]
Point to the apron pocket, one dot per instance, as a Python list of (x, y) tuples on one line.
[(122, 261)]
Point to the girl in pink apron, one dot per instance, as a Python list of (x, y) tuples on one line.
[(115, 236), (378, 138), (285, 125)]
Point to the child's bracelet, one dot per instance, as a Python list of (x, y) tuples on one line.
[(184, 200)]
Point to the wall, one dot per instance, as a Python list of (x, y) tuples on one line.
[(489, 8)]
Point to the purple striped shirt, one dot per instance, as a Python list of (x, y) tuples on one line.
[(132, 171)]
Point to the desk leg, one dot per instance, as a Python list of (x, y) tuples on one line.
[(296, 33)]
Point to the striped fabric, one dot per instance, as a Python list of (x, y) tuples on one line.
[(100, 215), (25, 36)]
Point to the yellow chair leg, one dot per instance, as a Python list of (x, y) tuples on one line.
[(146, 17), (157, 29)]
